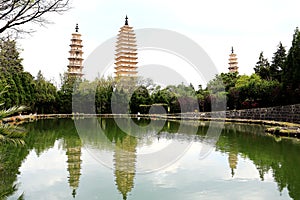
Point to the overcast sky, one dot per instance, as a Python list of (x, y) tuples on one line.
[(216, 25)]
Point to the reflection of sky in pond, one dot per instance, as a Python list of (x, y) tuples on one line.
[(152, 147), (45, 177)]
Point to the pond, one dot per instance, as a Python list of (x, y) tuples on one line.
[(100, 158)]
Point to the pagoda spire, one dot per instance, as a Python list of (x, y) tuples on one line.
[(126, 20), (233, 63), (75, 59), (76, 28)]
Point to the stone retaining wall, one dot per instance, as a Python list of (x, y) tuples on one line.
[(289, 113)]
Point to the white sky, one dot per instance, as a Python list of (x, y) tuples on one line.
[(216, 25)]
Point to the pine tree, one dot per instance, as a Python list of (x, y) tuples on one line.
[(291, 72), (9, 56), (278, 62), (29, 89), (262, 67), (69, 85), (20, 84), (45, 95)]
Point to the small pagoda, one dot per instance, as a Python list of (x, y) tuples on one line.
[(75, 60), (233, 63), (126, 52)]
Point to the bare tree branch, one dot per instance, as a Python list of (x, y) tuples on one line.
[(14, 13)]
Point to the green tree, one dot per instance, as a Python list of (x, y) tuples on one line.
[(278, 62), (220, 90), (21, 84), (103, 95), (64, 98), (11, 97), (186, 98), (10, 133), (140, 97), (45, 96), (262, 67), (29, 89), (11, 67), (120, 101), (83, 97), (167, 97), (9, 56), (291, 71), (253, 91), (201, 95)]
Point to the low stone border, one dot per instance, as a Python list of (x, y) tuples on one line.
[(293, 131)]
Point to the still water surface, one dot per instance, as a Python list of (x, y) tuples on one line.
[(59, 163)]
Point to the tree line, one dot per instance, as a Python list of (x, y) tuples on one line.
[(273, 83)]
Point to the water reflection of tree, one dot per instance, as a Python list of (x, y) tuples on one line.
[(11, 158), (279, 158), (41, 136)]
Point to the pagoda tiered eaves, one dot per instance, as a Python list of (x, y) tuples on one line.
[(123, 48), (75, 59), (233, 63), (123, 57), (126, 52)]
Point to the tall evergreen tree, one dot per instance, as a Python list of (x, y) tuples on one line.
[(29, 88), (278, 62), (262, 67), (9, 56), (45, 95), (69, 86), (103, 95), (10, 66), (20, 84), (291, 72)]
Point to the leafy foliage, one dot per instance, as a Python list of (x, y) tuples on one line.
[(253, 91), (45, 95), (140, 97), (103, 94), (291, 71), (278, 63), (10, 133), (262, 67)]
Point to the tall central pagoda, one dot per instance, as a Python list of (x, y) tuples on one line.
[(126, 52)]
